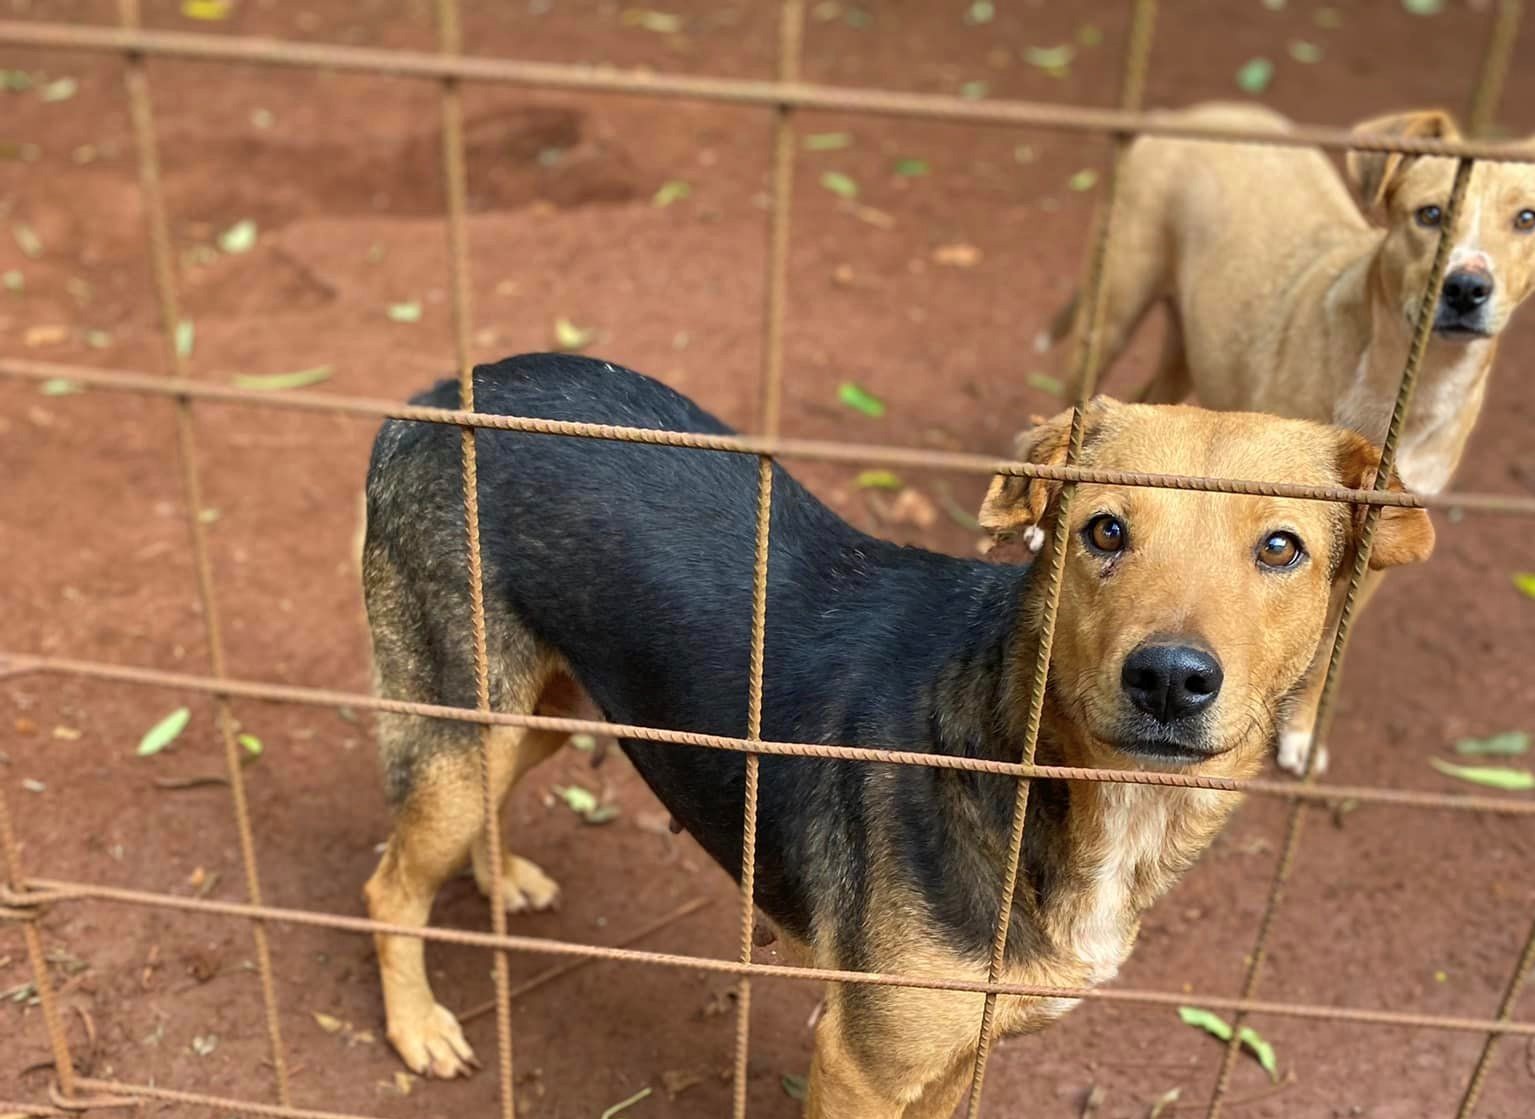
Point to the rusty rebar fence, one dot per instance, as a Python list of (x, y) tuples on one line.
[(23, 895)]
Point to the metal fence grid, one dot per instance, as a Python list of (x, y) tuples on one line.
[(23, 896)]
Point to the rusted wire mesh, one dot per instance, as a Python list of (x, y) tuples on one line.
[(23, 895)]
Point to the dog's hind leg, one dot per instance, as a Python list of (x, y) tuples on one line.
[(1171, 383), (525, 887), (433, 832)]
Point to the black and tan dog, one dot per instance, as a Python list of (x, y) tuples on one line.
[(624, 572)]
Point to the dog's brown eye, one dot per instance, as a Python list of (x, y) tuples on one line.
[(1280, 549), (1106, 535), (1525, 221), (1429, 216)]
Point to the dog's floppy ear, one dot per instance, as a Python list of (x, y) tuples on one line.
[(1016, 504), (1403, 535), (1372, 173)]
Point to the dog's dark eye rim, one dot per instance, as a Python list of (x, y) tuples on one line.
[(1117, 536), (1524, 221), (1429, 217), (1290, 551)]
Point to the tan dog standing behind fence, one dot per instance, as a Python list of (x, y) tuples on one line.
[(1283, 297)]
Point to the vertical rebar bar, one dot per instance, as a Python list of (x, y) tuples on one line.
[(1294, 826), (455, 192), (162, 258), (1090, 312)]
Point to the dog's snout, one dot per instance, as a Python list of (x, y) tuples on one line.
[(1170, 682), (1466, 289)]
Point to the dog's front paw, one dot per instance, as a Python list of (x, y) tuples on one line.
[(432, 1044), (1295, 748), (524, 887)]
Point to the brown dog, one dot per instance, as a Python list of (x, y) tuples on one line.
[(1285, 298), (622, 571)]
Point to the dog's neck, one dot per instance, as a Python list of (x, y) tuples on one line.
[(1448, 396), (1095, 854), (1129, 844)]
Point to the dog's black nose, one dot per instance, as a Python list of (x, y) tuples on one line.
[(1169, 682), (1465, 291)]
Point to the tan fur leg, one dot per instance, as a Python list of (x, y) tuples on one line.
[(432, 836), (524, 886), (840, 1088), (942, 1097)]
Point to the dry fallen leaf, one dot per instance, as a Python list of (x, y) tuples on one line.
[(1164, 1101), (957, 256), (676, 1081), (326, 1022), (47, 334)]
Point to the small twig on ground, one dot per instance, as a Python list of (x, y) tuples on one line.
[(549, 975), (1093, 1102), (176, 783), (1238, 1101)]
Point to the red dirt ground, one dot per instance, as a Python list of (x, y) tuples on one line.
[(1387, 909)]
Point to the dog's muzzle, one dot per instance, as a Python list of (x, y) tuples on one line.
[(1463, 304)]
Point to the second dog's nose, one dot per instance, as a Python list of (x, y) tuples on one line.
[(1466, 290), (1169, 682)]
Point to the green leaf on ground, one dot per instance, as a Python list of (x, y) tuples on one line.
[(912, 168), (570, 337), (673, 190), (1217, 1026), (238, 238), (186, 337), (1509, 744), (662, 23), (163, 733), (27, 239), (60, 89), (795, 1087), (1050, 58), (13, 280), (1302, 51), (839, 184), (1262, 1050), (1255, 75), (879, 480), (1046, 383), (578, 800), (1084, 179), (584, 803), (981, 11), (975, 91), (59, 386), (252, 744), (860, 399), (273, 382), (1423, 7), (408, 311), (1494, 777), (1206, 1020), (828, 141), (1089, 36), (1524, 582), (207, 9)]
